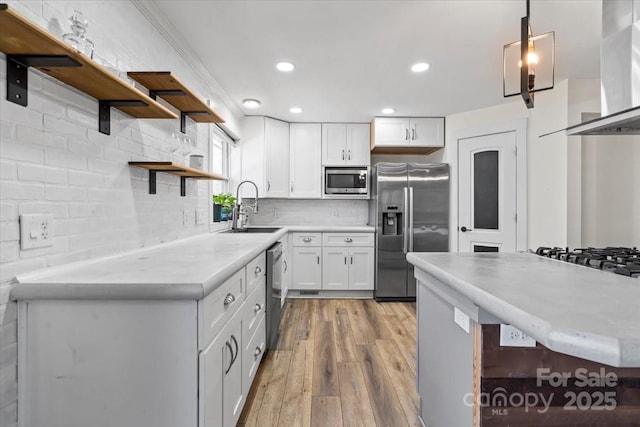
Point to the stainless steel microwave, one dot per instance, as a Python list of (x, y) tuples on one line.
[(346, 181)]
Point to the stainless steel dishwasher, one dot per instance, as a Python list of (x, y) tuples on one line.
[(274, 288)]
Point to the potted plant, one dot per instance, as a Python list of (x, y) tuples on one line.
[(223, 204)]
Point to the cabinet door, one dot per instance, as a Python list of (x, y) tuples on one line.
[(358, 144), (391, 131), (232, 392), (427, 132), (286, 274), (305, 169), (334, 144), (335, 268), (307, 273), (211, 371), (361, 268), (276, 142), (251, 158)]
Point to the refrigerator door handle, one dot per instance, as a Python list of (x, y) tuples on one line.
[(410, 219), (405, 237)]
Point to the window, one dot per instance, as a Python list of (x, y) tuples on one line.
[(219, 150)]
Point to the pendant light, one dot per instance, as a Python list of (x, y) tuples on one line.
[(528, 64)]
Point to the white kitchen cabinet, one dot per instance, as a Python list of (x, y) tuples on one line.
[(264, 150), (345, 144), (307, 273), (347, 268), (305, 171), (407, 134)]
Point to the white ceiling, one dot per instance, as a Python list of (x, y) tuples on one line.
[(352, 57)]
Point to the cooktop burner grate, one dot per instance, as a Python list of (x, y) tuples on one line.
[(620, 260)]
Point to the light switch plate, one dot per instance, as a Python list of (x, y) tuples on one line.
[(199, 216), (36, 231), (461, 319)]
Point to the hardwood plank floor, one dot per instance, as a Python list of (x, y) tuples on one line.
[(338, 363)]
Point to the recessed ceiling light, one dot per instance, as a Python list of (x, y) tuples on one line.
[(296, 110), (285, 66), (251, 104), (420, 67), (388, 110)]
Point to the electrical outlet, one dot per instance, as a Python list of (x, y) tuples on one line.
[(512, 337), (199, 217), (36, 231)]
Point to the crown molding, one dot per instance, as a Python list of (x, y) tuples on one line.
[(169, 32)]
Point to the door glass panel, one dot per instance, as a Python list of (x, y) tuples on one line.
[(481, 248), (485, 190)]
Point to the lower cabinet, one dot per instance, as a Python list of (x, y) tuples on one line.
[(333, 261)]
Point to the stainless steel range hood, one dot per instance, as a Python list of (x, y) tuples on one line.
[(619, 72)]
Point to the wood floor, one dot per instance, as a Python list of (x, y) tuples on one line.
[(339, 363)]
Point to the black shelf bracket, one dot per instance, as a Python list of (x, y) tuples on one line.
[(183, 118), (153, 186), (18, 76), (104, 112), (154, 94)]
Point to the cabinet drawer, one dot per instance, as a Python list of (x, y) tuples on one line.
[(347, 239), (256, 269), (307, 239), (217, 307), (253, 352), (254, 308)]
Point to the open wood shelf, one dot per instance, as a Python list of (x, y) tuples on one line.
[(26, 44), (183, 172)]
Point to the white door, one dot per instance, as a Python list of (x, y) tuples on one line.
[(232, 393), (335, 269), (487, 193), (307, 271), (427, 131), (358, 144), (305, 161), (276, 142), (361, 268), (334, 141)]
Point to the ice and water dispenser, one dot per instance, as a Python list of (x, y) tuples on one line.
[(391, 220)]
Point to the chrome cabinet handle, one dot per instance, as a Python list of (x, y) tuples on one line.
[(286, 267), (405, 238), (351, 260), (342, 154), (413, 134), (258, 351), (268, 186), (410, 248), (229, 299), (348, 240), (292, 186), (230, 363), (318, 259), (235, 343), (257, 271), (306, 239), (345, 260), (349, 155), (406, 134), (257, 308)]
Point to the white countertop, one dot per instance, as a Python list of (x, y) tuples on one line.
[(568, 308), (184, 269)]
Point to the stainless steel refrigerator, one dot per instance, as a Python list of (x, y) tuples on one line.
[(410, 209)]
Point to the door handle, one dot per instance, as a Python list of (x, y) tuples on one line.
[(235, 356), (406, 134), (257, 271), (318, 259), (410, 219), (342, 154), (345, 260), (257, 352), (349, 155), (465, 229), (284, 262), (257, 308), (292, 186), (405, 237), (268, 186), (229, 299), (351, 260), (413, 134), (348, 240), (306, 239), (230, 363)]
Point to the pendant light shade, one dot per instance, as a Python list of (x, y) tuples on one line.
[(529, 63)]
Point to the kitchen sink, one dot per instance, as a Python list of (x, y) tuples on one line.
[(255, 230)]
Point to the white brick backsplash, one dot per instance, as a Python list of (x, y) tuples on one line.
[(58, 210), (8, 211), (65, 159), (54, 141), (8, 333), (81, 210), (8, 313), (85, 179), (71, 226), (63, 193), (87, 118), (21, 151), (12, 190), (31, 135), (8, 171), (85, 148), (105, 167), (5, 289), (20, 115), (7, 128), (64, 127), (9, 251)]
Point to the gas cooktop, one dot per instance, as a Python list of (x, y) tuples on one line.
[(619, 260)]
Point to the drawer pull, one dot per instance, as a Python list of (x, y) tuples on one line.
[(257, 352), (306, 239), (257, 308), (257, 271), (229, 299), (348, 240)]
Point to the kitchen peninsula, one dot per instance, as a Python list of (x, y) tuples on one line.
[(586, 323)]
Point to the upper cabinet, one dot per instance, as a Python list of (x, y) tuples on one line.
[(345, 144), (305, 172), (404, 135), (264, 157)]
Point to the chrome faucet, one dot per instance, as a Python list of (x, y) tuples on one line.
[(239, 214)]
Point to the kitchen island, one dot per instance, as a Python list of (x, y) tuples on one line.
[(169, 335), (586, 323)]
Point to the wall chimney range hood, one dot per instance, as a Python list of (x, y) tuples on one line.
[(619, 72)]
